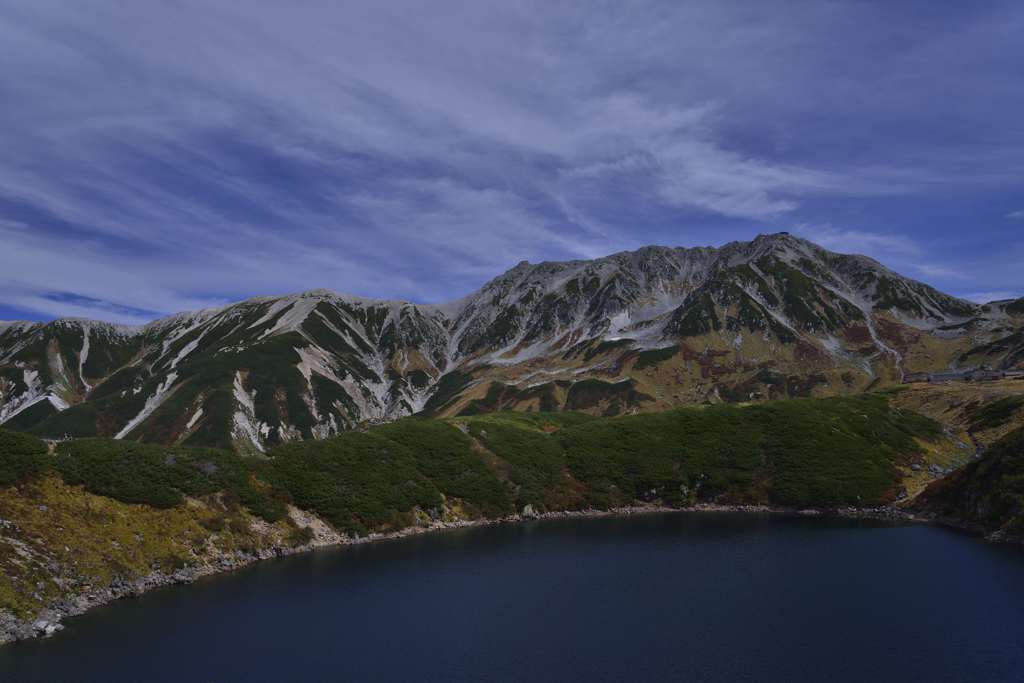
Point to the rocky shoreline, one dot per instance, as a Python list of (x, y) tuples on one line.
[(48, 621)]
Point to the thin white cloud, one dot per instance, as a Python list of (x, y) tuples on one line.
[(986, 297), (938, 270), (159, 156), (62, 308), (881, 245), (1016, 214)]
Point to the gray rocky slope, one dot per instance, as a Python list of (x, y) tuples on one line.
[(646, 329)]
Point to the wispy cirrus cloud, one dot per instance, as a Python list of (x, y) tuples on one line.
[(986, 297), (899, 251), (938, 270), (160, 156), (881, 245)]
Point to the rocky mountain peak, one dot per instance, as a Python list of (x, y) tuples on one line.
[(654, 327)]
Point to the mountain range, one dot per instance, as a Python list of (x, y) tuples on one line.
[(774, 317)]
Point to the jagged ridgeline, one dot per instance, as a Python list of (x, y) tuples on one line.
[(635, 331)]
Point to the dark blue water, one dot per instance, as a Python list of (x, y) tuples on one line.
[(682, 597)]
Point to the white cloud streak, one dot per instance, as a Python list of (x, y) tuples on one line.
[(884, 246), (161, 156), (986, 297)]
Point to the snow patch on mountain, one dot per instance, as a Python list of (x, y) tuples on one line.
[(245, 426), (354, 327), (194, 419), (59, 370), (99, 326), (82, 356), (325, 429), (313, 359), (520, 323), (187, 349), (366, 397), (633, 322), (293, 317), (18, 335), (152, 403), (57, 402), (32, 394), (512, 356), (17, 325), (778, 316)]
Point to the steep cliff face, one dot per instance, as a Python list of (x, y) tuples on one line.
[(658, 327)]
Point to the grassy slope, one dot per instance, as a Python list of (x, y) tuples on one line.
[(58, 540), (98, 509)]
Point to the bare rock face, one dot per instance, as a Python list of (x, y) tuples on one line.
[(774, 317)]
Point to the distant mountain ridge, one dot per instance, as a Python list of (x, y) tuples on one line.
[(649, 329)]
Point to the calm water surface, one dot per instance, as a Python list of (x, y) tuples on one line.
[(682, 597)]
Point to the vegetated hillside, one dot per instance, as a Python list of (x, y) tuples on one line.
[(978, 412), (974, 415), (833, 452), (96, 514), (776, 317), (986, 494), (64, 549)]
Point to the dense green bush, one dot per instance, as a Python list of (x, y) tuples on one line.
[(840, 451), (537, 465), (356, 481), (653, 357), (994, 413), (800, 452), (160, 476), (363, 481), (676, 455), (22, 457), (24, 419), (444, 456)]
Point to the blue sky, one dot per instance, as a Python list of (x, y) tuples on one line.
[(164, 156)]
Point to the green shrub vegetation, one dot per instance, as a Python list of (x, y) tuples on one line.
[(840, 451), (501, 396), (652, 357), (22, 457), (28, 417), (537, 464), (357, 481), (588, 393), (364, 481), (445, 457), (994, 414), (161, 476), (448, 388)]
